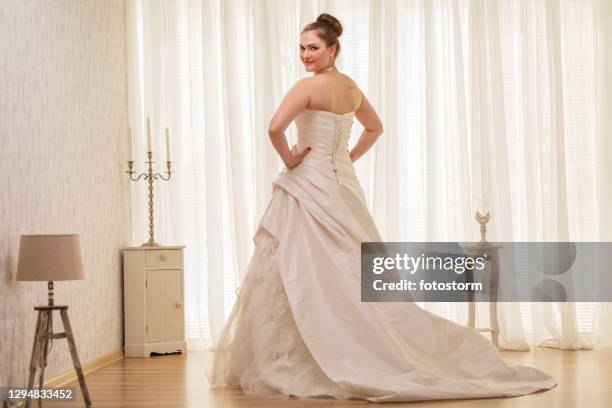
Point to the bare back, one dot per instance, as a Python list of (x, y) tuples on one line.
[(334, 92), (330, 91)]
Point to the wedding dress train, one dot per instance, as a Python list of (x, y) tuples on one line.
[(298, 326)]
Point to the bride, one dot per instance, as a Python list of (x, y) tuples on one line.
[(298, 326)]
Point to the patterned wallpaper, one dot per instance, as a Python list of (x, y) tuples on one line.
[(63, 142)]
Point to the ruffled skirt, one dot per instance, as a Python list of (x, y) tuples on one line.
[(299, 328)]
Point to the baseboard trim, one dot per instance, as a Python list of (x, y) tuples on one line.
[(89, 367)]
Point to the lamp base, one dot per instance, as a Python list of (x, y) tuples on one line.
[(50, 288), (40, 350), (11, 404)]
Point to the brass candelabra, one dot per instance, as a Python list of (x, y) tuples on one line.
[(150, 177)]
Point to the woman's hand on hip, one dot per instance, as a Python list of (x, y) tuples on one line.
[(296, 156)]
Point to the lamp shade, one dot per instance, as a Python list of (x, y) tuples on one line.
[(50, 258)]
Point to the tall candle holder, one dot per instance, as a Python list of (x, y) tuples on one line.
[(150, 177)]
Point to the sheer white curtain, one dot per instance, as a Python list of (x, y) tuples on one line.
[(505, 102)]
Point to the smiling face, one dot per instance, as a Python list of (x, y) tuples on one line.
[(314, 52)]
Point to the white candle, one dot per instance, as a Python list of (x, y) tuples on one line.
[(130, 145), (148, 134), (167, 144)]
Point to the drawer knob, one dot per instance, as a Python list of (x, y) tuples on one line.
[(163, 257), (179, 304)]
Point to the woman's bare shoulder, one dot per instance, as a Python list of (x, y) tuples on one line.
[(328, 77), (352, 87), (345, 80), (305, 82), (318, 85), (338, 79)]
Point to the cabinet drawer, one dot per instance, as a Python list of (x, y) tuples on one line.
[(163, 258)]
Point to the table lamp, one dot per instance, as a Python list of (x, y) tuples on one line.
[(50, 258)]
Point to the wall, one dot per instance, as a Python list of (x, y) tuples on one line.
[(62, 149)]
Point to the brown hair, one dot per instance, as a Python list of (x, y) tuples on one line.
[(328, 28)]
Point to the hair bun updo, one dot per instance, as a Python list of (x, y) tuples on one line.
[(328, 29), (332, 22)]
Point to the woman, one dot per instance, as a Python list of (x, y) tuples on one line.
[(298, 326)]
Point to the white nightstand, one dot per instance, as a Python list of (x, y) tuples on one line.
[(153, 300)]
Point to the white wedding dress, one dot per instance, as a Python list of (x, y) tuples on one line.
[(298, 326)]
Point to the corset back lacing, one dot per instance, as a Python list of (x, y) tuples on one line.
[(337, 136)]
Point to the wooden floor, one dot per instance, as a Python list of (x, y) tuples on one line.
[(585, 380)]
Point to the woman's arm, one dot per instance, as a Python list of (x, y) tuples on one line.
[(372, 128), (293, 103)]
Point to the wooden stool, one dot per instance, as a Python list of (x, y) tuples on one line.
[(40, 350)]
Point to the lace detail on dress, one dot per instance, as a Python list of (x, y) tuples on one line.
[(281, 303), (267, 257), (278, 303), (283, 348), (263, 257), (286, 339), (252, 383)]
